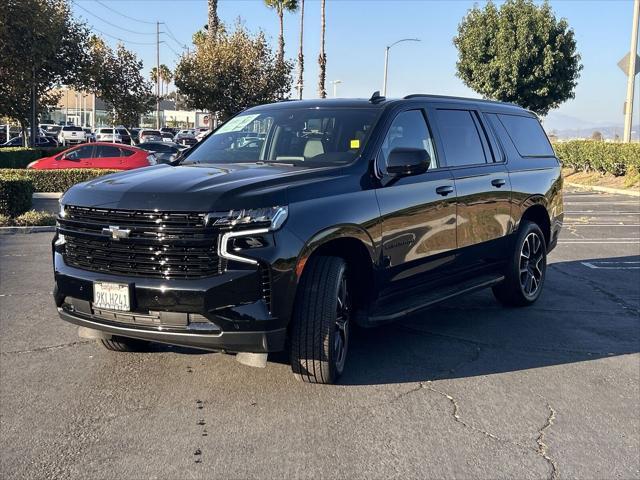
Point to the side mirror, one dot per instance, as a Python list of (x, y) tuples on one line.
[(407, 161)]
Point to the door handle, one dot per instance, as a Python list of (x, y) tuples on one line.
[(498, 182), (444, 190)]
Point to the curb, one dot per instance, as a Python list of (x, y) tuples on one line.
[(18, 230), (596, 188), (47, 195)]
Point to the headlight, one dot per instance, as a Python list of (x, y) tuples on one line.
[(258, 221), (32, 164), (62, 212), (271, 218)]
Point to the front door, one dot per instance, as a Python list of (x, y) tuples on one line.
[(482, 185), (418, 212)]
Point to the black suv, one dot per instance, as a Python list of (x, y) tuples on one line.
[(295, 220)]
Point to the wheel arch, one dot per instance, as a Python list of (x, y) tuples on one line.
[(350, 242), (534, 209)]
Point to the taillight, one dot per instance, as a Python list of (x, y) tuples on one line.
[(152, 159)]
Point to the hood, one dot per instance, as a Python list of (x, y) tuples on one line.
[(193, 188)]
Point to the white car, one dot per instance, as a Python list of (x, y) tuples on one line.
[(107, 135), (71, 135)]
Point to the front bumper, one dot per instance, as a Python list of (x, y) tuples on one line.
[(225, 312)]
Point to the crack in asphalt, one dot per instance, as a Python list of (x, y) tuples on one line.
[(47, 348), (629, 308), (530, 348), (543, 447)]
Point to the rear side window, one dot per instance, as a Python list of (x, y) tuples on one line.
[(527, 135), (460, 138), (126, 152), (105, 151)]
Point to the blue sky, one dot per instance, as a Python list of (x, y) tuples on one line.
[(359, 30)]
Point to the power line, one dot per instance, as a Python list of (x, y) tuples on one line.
[(124, 15), (122, 39), (171, 48), (173, 37), (110, 23)]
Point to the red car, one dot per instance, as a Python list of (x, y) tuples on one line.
[(97, 155)]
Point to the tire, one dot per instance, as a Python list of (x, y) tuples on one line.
[(526, 270), (122, 344), (321, 321)]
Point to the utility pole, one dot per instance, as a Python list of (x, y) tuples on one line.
[(631, 73), (157, 75)]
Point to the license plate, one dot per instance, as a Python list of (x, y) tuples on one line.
[(111, 296)]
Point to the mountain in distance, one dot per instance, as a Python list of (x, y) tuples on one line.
[(565, 127)]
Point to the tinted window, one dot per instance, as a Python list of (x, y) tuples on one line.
[(72, 129), (126, 152), (80, 153), (527, 135), (105, 151), (121, 131), (408, 130), (106, 130), (460, 138)]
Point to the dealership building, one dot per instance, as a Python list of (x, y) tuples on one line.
[(88, 110)]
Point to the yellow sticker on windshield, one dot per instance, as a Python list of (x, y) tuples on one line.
[(355, 143)]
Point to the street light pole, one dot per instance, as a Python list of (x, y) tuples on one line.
[(631, 78), (335, 84), (386, 61)]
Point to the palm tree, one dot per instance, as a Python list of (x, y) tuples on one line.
[(213, 19), (280, 6), (165, 76), (322, 58), (300, 53)]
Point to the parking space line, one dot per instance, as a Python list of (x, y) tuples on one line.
[(612, 265), (600, 225)]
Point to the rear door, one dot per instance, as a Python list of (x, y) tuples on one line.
[(107, 156), (418, 211), (482, 184)]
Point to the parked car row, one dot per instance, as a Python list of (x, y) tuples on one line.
[(109, 155), (67, 135)]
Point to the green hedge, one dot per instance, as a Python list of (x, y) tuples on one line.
[(55, 180), (603, 157), (20, 157), (15, 195)]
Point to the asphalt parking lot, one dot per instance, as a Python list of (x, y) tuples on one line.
[(465, 390)]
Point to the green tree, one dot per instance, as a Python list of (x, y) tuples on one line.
[(116, 77), (236, 71), (280, 6), (518, 53), (41, 47)]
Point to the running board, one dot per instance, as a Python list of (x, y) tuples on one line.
[(396, 310)]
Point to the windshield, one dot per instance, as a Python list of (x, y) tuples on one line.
[(300, 137)]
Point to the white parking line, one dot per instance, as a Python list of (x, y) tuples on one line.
[(600, 203), (634, 241), (612, 265), (600, 225), (595, 212)]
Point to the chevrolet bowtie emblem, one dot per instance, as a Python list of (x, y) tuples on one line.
[(116, 232)]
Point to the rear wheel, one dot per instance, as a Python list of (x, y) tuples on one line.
[(321, 321), (526, 270), (122, 344)]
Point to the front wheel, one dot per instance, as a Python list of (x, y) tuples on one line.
[(526, 269), (321, 321)]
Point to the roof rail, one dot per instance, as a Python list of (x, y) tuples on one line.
[(482, 100)]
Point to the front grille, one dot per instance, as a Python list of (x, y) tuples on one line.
[(158, 245)]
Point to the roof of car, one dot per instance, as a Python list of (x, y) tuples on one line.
[(381, 102)]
